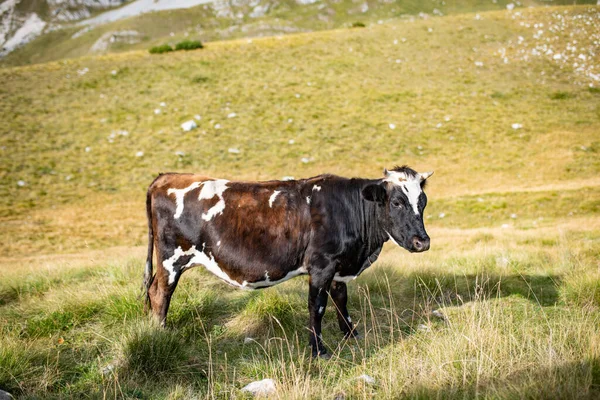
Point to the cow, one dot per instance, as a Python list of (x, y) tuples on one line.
[(255, 235)]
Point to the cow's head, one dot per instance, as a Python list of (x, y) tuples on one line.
[(400, 203)]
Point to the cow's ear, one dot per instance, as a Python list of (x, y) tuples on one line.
[(424, 177), (374, 193)]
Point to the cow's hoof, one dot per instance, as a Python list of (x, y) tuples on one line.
[(353, 335), (323, 355)]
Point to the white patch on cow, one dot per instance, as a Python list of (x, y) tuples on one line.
[(179, 197), (321, 309), (268, 282), (317, 188), (392, 239), (411, 186), (344, 279), (209, 190), (198, 258), (273, 197), (219, 243), (308, 200)]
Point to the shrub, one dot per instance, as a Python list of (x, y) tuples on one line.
[(357, 24), (163, 48), (189, 45)]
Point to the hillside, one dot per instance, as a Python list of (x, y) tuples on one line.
[(57, 32), (504, 106)]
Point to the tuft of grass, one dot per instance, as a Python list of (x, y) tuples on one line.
[(560, 95), (188, 45), (358, 24), (163, 48), (151, 352)]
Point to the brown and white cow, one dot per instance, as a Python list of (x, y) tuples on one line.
[(254, 235)]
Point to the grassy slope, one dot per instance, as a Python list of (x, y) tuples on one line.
[(210, 23), (522, 301)]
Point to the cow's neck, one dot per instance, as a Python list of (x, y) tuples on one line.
[(373, 234)]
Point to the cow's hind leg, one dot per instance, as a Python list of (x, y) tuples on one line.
[(339, 294), (161, 290)]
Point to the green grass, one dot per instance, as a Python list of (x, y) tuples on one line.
[(163, 48), (188, 45), (513, 213)]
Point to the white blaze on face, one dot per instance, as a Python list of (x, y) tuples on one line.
[(273, 197), (209, 190), (411, 186)]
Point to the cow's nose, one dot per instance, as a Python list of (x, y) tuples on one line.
[(420, 244)]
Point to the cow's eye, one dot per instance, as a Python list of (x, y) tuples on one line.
[(396, 204)]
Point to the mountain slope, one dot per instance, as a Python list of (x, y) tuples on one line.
[(225, 19)]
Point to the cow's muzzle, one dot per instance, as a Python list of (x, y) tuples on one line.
[(420, 244)]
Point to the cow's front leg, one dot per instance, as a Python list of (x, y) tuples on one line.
[(319, 282), (339, 294)]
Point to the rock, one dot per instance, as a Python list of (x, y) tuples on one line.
[(5, 395), (260, 388), (439, 314), (233, 150), (369, 380), (189, 125)]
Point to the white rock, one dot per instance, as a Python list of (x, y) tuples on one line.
[(217, 126), (516, 126), (180, 153), (438, 314), (233, 150), (305, 160), (510, 6), (21, 183), (189, 125), (197, 117), (260, 388), (5, 395), (367, 379), (442, 215), (478, 64), (392, 126), (113, 72), (163, 104), (88, 149), (291, 141), (139, 154), (232, 115), (157, 111)]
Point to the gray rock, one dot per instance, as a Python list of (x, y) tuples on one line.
[(5, 395)]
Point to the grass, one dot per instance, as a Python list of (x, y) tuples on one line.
[(513, 213), (163, 48)]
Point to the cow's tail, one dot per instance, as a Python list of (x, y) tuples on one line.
[(148, 271)]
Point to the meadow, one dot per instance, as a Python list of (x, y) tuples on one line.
[(513, 274)]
